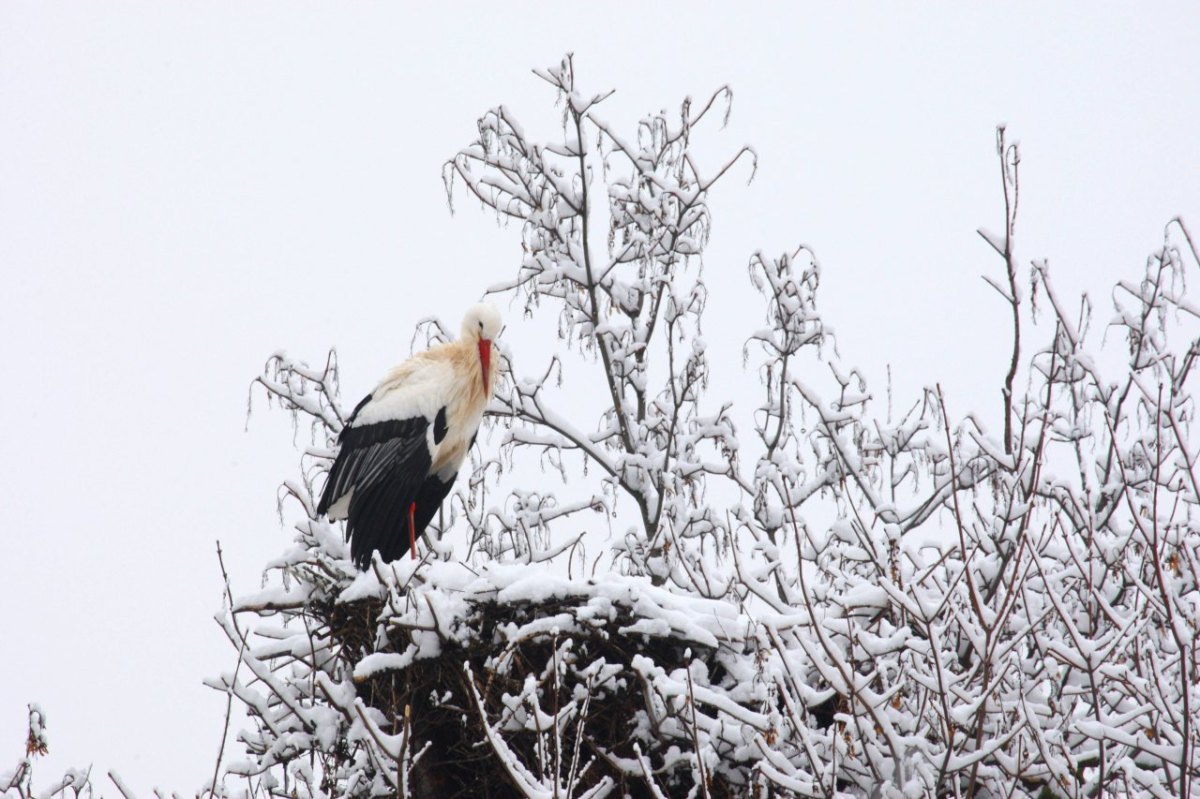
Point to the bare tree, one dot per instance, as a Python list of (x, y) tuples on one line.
[(813, 600)]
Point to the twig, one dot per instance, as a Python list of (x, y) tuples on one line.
[(212, 789)]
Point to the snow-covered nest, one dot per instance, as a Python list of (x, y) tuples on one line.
[(509, 669)]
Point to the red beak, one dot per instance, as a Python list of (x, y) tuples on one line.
[(485, 359)]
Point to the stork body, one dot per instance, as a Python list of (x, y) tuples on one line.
[(403, 445)]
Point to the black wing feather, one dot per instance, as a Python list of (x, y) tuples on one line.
[(378, 516), (439, 426), (364, 453), (429, 499), (384, 464), (337, 482)]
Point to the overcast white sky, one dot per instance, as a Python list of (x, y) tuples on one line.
[(185, 188)]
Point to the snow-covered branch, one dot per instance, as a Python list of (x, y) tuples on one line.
[(644, 589)]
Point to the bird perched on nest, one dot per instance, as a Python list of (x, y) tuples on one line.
[(403, 445)]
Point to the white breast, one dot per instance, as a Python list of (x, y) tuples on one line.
[(422, 393)]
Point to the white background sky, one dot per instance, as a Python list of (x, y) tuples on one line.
[(185, 188)]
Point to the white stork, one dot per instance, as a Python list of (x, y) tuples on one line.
[(402, 446)]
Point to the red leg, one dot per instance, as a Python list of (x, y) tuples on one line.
[(412, 531)]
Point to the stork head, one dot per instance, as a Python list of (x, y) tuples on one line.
[(481, 325)]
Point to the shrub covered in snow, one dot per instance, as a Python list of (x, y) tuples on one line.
[(826, 601), (74, 783)]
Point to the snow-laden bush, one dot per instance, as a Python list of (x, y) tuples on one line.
[(828, 601), (73, 783)]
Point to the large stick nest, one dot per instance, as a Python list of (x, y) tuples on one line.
[(510, 669)]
